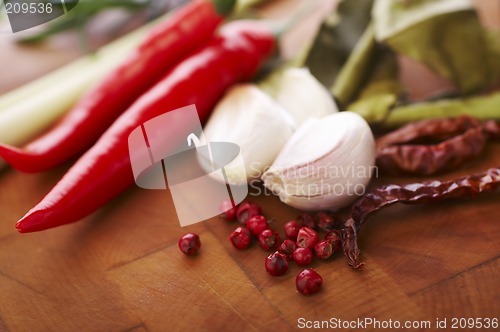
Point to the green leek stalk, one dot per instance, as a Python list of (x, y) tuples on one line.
[(29, 110), (481, 107)]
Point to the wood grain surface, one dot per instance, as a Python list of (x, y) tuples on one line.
[(120, 269)]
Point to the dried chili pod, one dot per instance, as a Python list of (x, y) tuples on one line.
[(454, 141), (492, 128), (415, 193)]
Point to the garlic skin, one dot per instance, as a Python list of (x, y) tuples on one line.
[(251, 119), (301, 94), (326, 164)]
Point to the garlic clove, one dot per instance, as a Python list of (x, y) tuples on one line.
[(251, 119), (325, 165), (301, 94)]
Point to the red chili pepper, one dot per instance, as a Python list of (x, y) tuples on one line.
[(201, 79), (168, 43)]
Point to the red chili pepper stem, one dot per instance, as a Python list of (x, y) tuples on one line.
[(224, 7)]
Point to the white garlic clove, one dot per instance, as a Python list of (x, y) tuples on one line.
[(251, 119), (301, 94), (326, 164)]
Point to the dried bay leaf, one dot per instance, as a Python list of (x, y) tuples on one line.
[(337, 37), (392, 17), (355, 71), (382, 91), (446, 35)]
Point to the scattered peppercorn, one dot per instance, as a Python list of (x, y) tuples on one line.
[(276, 264), (292, 229), (247, 210), (325, 222), (308, 282), (228, 210), (307, 238), (334, 238), (287, 248), (301, 241), (269, 239), (307, 220), (302, 256), (189, 244), (257, 224), (241, 238), (323, 249)]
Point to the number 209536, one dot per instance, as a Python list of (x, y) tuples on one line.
[(463, 323), (28, 8)]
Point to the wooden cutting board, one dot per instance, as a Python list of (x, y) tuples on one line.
[(120, 269)]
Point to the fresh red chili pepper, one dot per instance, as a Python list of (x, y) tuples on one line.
[(173, 39), (105, 170)]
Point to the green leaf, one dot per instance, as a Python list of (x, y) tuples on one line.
[(374, 109), (446, 35), (382, 91), (393, 17), (336, 38), (355, 71)]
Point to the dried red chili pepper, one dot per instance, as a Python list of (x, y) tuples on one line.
[(427, 192), (492, 128), (168, 43), (105, 171), (461, 139)]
